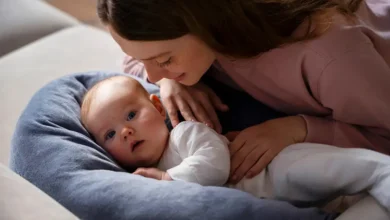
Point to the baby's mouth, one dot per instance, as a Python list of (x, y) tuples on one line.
[(135, 144)]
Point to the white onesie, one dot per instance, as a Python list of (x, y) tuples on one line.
[(301, 173)]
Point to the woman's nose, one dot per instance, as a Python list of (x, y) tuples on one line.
[(127, 132), (155, 73)]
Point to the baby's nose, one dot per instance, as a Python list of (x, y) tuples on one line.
[(126, 132)]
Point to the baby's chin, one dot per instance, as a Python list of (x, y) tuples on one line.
[(145, 160), (151, 162), (157, 158)]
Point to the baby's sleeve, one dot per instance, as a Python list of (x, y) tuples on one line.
[(205, 154)]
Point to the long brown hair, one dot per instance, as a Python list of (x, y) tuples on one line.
[(236, 28)]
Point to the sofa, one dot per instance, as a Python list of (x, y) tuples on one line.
[(38, 44)]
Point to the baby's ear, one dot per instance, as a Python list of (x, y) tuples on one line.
[(157, 103)]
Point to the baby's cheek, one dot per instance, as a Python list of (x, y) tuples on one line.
[(152, 115), (149, 121), (155, 126)]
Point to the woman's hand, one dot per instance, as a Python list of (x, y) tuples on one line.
[(195, 103), (153, 173), (255, 147)]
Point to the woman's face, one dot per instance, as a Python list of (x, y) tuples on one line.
[(183, 59)]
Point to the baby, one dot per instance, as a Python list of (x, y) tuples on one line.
[(130, 124)]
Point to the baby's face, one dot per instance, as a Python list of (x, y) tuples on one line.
[(127, 123)]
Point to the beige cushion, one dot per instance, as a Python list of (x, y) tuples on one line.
[(24, 21), (23, 72), (21, 200)]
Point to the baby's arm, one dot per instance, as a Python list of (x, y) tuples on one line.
[(205, 154)]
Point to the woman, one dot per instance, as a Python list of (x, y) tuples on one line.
[(324, 63)]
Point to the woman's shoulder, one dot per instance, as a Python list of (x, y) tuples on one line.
[(336, 41), (301, 58), (306, 60), (370, 28)]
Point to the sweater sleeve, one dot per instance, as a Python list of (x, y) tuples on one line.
[(356, 87), (134, 67), (205, 155)]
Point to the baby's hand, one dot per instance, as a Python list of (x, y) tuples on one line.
[(153, 173)]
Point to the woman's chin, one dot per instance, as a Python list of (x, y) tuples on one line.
[(189, 81)]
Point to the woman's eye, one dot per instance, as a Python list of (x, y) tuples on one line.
[(166, 63), (131, 115), (109, 135)]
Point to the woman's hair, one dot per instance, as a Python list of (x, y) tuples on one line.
[(236, 28)]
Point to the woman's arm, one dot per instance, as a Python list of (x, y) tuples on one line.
[(134, 67), (356, 87)]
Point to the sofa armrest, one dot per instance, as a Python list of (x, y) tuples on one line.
[(21, 200), (24, 21)]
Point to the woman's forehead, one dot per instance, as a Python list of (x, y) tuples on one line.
[(146, 50)]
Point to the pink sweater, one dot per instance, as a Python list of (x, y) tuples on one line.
[(339, 82)]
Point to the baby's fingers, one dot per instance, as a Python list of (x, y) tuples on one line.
[(140, 171)]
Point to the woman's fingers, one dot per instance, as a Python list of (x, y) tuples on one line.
[(212, 117), (249, 159), (237, 143), (232, 135), (239, 157), (184, 108), (195, 103), (200, 113), (171, 110), (263, 162)]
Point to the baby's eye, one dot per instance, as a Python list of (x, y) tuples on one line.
[(131, 115), (109, 135)]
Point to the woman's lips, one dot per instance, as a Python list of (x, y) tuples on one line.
[(180, 77)]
